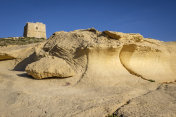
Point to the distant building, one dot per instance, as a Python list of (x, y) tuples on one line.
[(37, 30)]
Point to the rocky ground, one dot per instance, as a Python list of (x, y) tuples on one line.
[(89, 73)]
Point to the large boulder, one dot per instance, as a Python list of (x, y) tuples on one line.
[(49, 67)]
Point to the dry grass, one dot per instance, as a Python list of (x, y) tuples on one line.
[(20, 41)]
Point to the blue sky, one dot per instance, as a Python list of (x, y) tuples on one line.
[(151, 18)]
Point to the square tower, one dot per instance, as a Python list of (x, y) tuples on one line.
[(37, 30)]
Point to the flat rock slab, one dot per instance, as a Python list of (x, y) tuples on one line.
[(158, 103)]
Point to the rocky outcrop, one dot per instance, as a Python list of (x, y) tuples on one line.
[(49, 67), (16, 51), (5, 56), (124, 36), (148, 62), (88, 51), (101, 58), (98, 73)]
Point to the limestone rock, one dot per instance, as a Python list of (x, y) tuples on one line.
[(152, 63), (4, 56), (112, 35), (49, 67), (125, 36), (90, 53), (157, 103), (16, 51), (106, 73)]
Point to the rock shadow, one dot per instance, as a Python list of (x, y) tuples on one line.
[(25, 75), (22, 65)]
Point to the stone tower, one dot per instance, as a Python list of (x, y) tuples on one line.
[(37, 30)]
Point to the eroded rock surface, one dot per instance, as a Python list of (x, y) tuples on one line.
[(124, 36), (98, 73), (158, 103), (127, 54), (16, 51), (49, 67)]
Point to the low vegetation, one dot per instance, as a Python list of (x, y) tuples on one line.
[(151, 80), (113, 115), (19, 41)]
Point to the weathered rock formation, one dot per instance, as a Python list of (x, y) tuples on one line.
[(99, 73), (16, 51), (108, 57), (49, 67)]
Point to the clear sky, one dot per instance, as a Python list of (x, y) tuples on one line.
[(151, 18)]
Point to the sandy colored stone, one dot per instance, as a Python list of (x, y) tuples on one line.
[(90, 53), (16, 51), (125, 75), (113, 55), (155, 64), (158, 103), (49, 67), (124, 36), (37, 30)]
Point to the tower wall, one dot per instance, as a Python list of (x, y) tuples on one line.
[(37, 30)]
